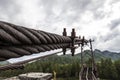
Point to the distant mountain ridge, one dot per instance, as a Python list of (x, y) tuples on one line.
[(101, 54), (108, 54)]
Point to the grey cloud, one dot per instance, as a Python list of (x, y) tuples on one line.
[(9, 9), (110, 42), (99, 14), (114, 23), (114, 1), (5, 3), (111, 36), (114, 44), (78, 7), (48, 5)]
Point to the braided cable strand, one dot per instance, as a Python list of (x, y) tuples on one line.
[(17, 35), (17, 41)]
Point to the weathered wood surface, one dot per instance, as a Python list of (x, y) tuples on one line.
[(35, 76), (32, 76)]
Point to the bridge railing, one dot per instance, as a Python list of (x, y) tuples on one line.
[(93, 76), (86, 74), (80, 73)]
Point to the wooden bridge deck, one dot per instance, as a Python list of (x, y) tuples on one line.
[(87, 74)]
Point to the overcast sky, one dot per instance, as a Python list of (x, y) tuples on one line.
[(96, 19)]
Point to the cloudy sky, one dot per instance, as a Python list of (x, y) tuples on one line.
[(96, 19)]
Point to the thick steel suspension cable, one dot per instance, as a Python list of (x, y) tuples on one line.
[(17, 41)]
